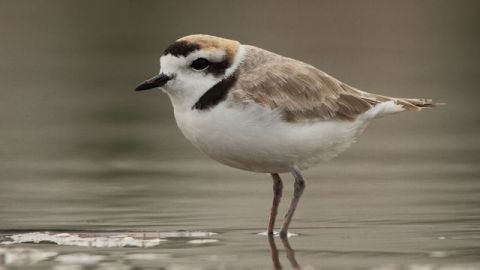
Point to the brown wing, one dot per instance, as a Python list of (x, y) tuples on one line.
[(301, 91)]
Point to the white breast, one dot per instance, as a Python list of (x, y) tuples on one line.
[(256, 139)]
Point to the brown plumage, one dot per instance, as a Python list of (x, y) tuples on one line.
[(304, 93), (234, 80), (210, 43)]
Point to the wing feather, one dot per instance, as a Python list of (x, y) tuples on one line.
[(299, 90), (304, 93)]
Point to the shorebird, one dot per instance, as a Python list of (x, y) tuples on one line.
[(258, 111)]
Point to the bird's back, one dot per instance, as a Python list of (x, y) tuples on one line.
[(280, 113), (305, 93)]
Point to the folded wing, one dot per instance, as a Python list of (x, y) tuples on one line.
[(304, 93)]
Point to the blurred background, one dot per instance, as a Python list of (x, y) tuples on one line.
[(79, 149)]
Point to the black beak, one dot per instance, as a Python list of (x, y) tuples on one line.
[(157, 81)]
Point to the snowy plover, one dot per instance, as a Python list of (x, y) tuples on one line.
[(255, 110)]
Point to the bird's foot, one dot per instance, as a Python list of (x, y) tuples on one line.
[(277, 233)]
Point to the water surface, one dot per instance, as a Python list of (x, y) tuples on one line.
[(95, 176)]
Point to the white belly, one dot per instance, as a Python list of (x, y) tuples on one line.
[(256, 139)]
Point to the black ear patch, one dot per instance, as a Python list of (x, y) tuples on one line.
[(181, 48), (218, 68), (216, 93)]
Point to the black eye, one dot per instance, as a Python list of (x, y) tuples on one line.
[(200, 63)]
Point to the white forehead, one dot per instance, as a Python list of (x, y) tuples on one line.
[(169, 64)]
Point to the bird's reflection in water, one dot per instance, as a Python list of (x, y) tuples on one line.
[(288, 249)]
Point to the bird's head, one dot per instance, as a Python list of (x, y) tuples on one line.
[(192, 65)]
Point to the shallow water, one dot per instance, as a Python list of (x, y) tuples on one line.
[(95, 176), (404, 214)]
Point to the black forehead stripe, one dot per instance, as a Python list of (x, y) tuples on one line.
[(181, 48), (216, 93)]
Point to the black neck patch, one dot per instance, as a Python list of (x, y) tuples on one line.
[(216, 93), (181, 48)]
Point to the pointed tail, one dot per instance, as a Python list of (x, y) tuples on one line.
[(384, 105), (416, 104)]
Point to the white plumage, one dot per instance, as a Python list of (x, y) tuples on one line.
[(257, 139), (258, 111)]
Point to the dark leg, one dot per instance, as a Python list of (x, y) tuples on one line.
[(297, 193), (277, 195), (290, 253), (275, 258)]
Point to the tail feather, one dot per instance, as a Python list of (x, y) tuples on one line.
[(383, 105), (409, 104), (416, 104)]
